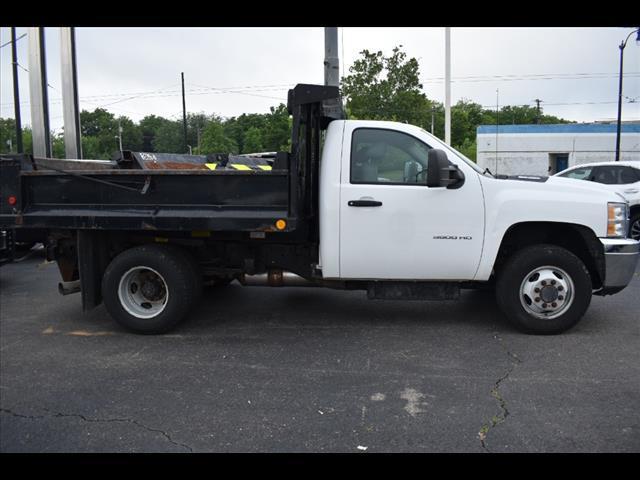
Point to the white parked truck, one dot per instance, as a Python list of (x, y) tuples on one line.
[(377, 206)]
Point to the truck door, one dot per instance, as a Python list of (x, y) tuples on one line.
[(392, 226)]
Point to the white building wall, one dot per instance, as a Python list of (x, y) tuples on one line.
[(529, 153)]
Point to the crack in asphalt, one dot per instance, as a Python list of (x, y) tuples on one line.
[(495, 393), (97, 420)]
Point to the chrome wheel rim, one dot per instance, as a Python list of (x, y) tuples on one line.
[(546, 292), (634, 232), (143, 292)]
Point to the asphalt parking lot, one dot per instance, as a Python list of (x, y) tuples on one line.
[(312, 370)]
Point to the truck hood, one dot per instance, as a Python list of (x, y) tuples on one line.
[(579, 187), (586, 187), (510, 201)]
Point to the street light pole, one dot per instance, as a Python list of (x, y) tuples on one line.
[(447, 85), (619, 125), (184, 114)]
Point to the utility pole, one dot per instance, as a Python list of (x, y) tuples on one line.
[(184, 115), (16, 90), (537, 100), (332, 68), (447, 83), (119, 137), (433, 117), (331, 60)]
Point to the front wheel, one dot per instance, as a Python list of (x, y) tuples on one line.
[(544, 289), (634, 227), (149, 289)]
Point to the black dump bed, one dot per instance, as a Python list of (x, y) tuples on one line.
[(58, 194), (165, 192)]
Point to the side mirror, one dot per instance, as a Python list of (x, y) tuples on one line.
[(441, 172)]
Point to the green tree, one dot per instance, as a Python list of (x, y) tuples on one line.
[(91, 148), (386, 88), (196, 122), (169, 137), (468, 148), (57, 145), (131, 135), (102, 126), (277, 134), (27, 140), (253, 141), (98, 123), (149, 127), (465, 117), (237, 128), (8, 139), (214, 139)]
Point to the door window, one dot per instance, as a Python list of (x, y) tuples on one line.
[(628, 175), (380, 156), (615, 175)]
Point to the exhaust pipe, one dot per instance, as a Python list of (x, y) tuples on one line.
[(67, 288), (275, 278)]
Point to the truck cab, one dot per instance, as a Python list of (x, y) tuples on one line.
[(374, 180)]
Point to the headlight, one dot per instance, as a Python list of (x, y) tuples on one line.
[(617, 220)]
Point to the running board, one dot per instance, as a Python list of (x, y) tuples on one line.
[(413, 291)]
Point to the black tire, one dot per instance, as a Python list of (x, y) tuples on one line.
[(179, 281), (634, 226), (514, 273)]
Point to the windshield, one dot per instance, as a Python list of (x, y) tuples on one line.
[(472, 164), (582, 173), (467, 160)]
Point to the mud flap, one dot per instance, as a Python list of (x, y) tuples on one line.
[(93, 258)]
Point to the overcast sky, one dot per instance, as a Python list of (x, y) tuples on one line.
[(230, 71)]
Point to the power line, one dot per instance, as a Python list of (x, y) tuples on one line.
[(509, 78), (136, 96), (201, 90), (384, 109), (27, 70), (218, 90), (486, 107), (256, 88), (11, 41)]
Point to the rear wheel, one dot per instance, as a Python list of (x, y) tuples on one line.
[(150, 289), (544, 289)]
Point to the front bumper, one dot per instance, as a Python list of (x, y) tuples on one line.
[(621, 259)]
